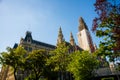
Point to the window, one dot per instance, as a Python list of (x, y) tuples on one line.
[(28, 48), (29, 40)]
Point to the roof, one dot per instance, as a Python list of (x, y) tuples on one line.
[(15, 46), (43, 44), (82, 24), (76, 47), (29, 37)]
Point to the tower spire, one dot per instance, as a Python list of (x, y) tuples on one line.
[(60, 36), (72, 42), (84, 37), (82, 24)]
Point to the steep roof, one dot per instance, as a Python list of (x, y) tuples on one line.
[(82, 24), (29, 36), (43, 44)]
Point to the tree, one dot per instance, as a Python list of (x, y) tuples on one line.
[(59, 59), (36, 64), (13, 58), (82, 65), (107, 26)]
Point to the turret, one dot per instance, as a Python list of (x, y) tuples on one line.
[(60, 36), (72, 41), (28, 36)]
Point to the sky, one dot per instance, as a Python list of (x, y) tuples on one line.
[(43, 18)]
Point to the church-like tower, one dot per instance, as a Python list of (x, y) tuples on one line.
[(84, 37), (60, 36)]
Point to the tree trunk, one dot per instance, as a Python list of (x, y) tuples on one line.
[(62, 75), (15, 74)]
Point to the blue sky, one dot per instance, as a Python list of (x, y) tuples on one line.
[(43, 18)]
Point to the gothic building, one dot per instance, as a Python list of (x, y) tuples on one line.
[(84, 40)]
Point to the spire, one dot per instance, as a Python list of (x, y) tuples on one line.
[(82, 24), (60, 36), (72, 42), (60, 32)]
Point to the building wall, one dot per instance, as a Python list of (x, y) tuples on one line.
[(10, 75), (83, 40), (7, 73), (29, 46)]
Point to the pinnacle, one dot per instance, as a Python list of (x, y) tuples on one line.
[(72, 39), (82, 24), (60, 32), (71, 36)]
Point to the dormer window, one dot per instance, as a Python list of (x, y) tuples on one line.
[(29, 40), (28, 37)]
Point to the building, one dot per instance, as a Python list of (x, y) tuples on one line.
[(84, 40)]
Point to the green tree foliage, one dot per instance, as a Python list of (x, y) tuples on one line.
[(82, 65), (107, 26), (36, 64), (59, 59), (52, 64), (13, 58)]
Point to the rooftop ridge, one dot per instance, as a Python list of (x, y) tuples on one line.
[(43, 43)]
